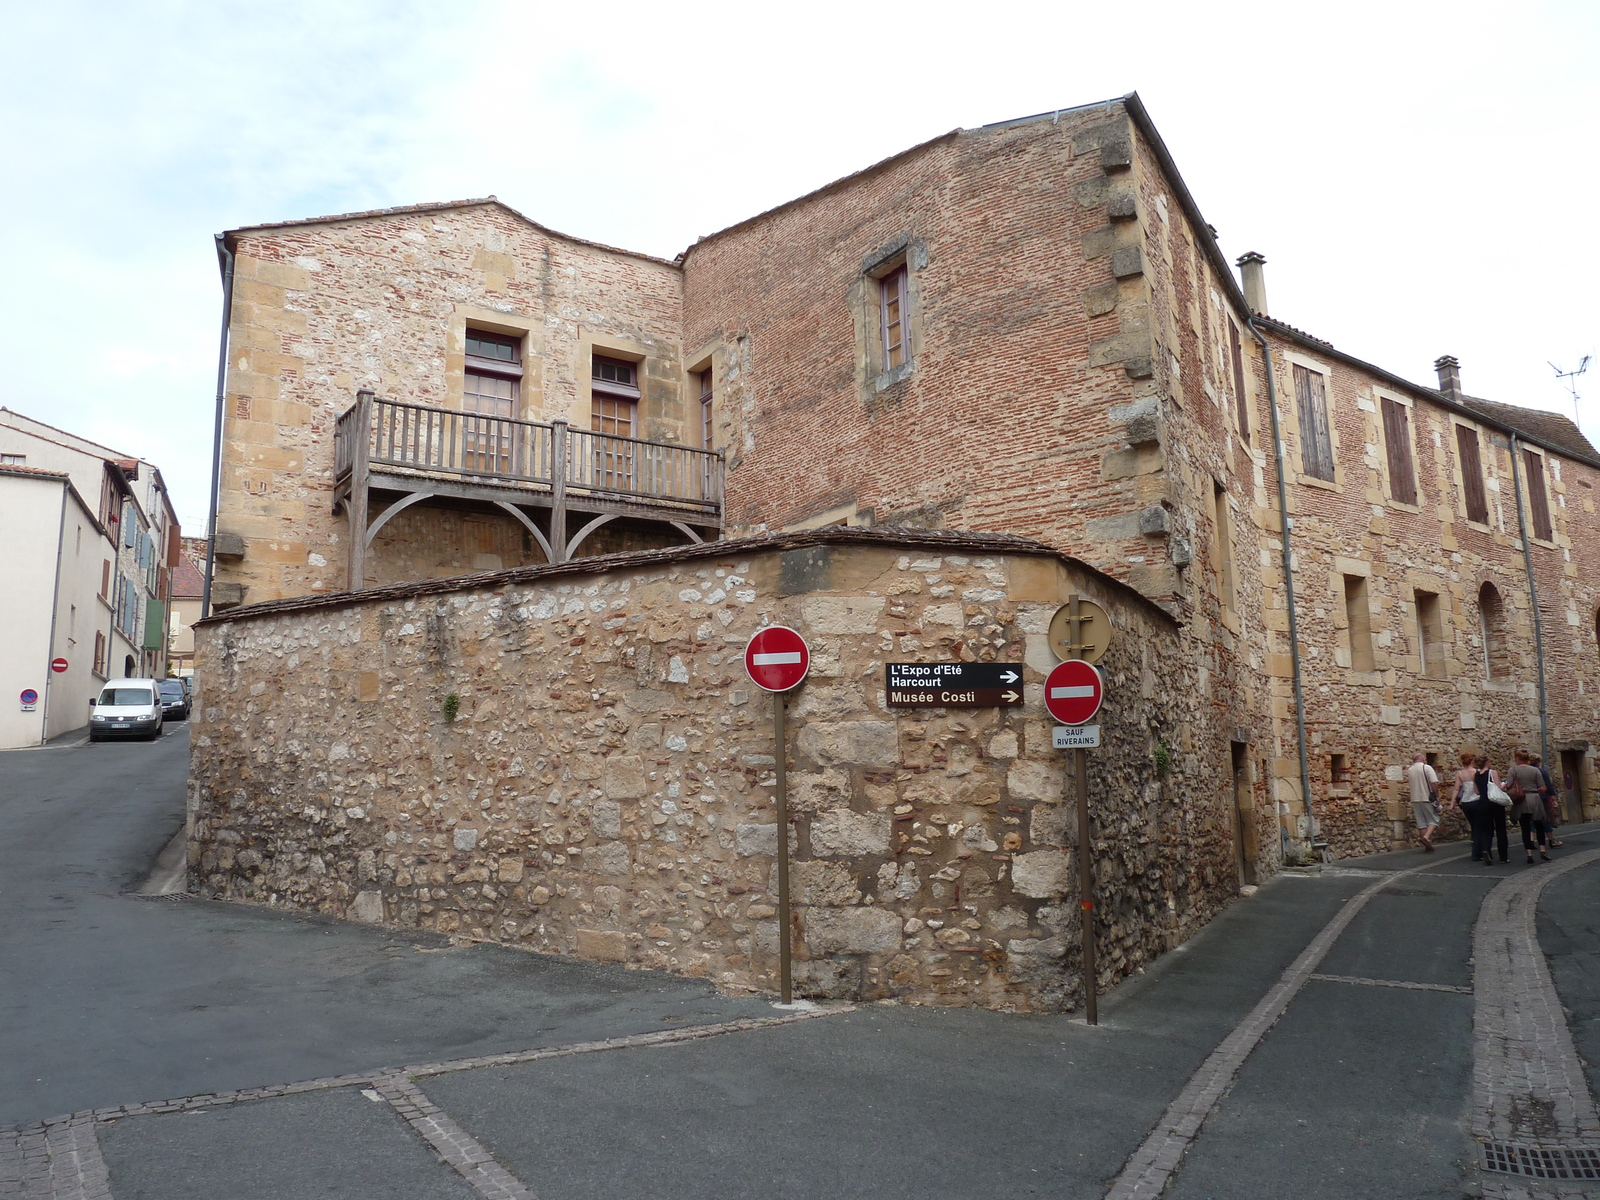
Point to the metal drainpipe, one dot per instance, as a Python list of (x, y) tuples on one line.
[(1533, 597), (55, 612), (1285, 522), (226, 257)]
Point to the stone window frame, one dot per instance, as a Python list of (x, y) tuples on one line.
[(1379, 395), (1507, 679), (1485, 461), (651, 402), (530, 390), (1428, 585), (1290, 414), (707, 364), (1224, 545), (904, 252)]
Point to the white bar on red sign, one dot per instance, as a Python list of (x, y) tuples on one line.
[(1075, 737), (1068, 693), (773, 660)]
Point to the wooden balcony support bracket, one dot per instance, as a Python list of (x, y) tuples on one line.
[(394, 510), (688, 531), (527, 522)]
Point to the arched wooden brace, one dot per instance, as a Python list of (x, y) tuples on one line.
[(585, 532), (688, 531), (527, 521)]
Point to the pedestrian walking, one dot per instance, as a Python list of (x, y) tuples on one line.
[(1526, 788), (1552, 802), (1476, 782), (1424, 782)]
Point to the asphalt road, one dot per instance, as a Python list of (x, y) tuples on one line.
[(109, 999)]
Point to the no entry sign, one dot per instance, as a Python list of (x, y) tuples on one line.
[(1073, 692), (58, 665), (777, 658)]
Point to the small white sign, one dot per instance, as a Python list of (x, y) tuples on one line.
[(1075, 737)]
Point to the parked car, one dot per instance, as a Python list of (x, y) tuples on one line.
[(174, 699), (127, 708)]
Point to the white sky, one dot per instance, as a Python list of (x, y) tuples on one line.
[(1420, 176)]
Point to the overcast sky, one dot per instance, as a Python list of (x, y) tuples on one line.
[(1421, 177)]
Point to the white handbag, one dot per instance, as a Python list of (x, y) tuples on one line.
[(1499, 795)]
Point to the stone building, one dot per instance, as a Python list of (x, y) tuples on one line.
[(1023, 329)]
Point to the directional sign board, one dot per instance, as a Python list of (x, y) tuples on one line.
[(953, 685), (777, 658), (1073, 691)]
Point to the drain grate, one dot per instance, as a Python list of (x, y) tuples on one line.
[(1539, 1162)]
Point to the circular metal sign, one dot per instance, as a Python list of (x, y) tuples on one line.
[(29, 696), (1073, 691), (1088, 640), (58, 665), (777, 658)]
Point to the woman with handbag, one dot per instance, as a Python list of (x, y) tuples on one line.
[(1526, 789), (1483, 802)]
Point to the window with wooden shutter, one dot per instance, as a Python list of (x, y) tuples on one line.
[(614, 409), (1316, 439), (1538, 498), (491, 385), (892, 313), (1236, 349), (1472, 492), (1397, 440)]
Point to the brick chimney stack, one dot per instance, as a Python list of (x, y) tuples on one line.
[(1449, 375), (1254, 281)]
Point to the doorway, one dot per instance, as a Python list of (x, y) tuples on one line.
[(1571, 785), (1245, 837)]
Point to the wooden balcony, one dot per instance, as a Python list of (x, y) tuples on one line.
[(528, 469)]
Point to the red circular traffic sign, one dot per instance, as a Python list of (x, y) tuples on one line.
[(58, 665), (1073, 691), (777, 658)]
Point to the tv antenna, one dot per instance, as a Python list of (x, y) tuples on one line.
[(1570, 380)]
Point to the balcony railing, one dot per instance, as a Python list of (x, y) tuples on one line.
[(541, 457)]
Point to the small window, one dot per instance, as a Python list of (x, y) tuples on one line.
[(1339, 769), (707, 428), (1397, 440), (1538, 497), (1492, 624), (1236, 351), (1316, 439), (615, 375), (105, 579), (1358, 616), (1223, 524), (892, 314), (1430, 635), (1472, 490), (13, 460), (100, 655)]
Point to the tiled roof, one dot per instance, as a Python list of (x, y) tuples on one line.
[(1551, 428), (39, 472), (187, 581)]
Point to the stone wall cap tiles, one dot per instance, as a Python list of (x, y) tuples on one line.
[(886, 536)]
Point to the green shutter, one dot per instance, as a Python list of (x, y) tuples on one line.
[(155, 627)]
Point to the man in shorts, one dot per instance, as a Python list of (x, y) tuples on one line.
[(1424, 783)]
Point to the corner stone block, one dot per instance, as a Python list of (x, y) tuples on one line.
[(846, 833), (1036, 781), (842, 614), (368, 907), (1042, 874), (623, 778), (851, 743), (1155, 520), (851, 931), (602, 945), (1127, 261)]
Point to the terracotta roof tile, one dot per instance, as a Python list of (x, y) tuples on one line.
[(1549, 427), (37, 472), (188, 583)]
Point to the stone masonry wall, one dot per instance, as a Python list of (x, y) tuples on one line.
[(606, 788), (323, 308)]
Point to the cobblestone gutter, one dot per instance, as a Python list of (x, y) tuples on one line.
[(572, 760)]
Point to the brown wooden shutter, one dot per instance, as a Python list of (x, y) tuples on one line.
[(1316, 441), (1538, 498), (1397, 439), (1472, 475), (1238, 380)]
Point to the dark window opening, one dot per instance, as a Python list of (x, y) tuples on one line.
[(1236, 350), (892, 316), (1339, 769)]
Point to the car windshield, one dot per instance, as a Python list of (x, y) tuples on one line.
[(171, 687), (126, 697)]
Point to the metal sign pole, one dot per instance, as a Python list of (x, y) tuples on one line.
[(1080, 769), (779, 703)]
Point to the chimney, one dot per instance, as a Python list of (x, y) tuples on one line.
[(1449, 375), (1255, 283)]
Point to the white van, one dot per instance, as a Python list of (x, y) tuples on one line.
[(126, 708)]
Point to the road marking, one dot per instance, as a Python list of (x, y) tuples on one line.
[(1152, 1166), (451, 1142), (1395, 983)]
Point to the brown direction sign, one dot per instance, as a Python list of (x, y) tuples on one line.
[(953, 685)]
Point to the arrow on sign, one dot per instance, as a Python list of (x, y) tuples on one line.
[(1009, 697), (1009, 677)]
